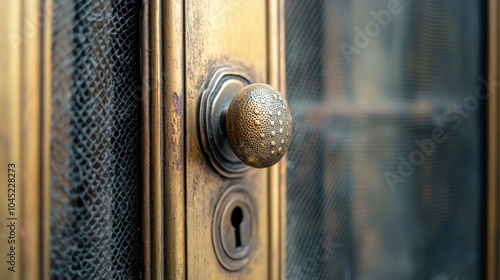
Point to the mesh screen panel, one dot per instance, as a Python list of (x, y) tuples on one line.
[(371, 194), (95, 140)]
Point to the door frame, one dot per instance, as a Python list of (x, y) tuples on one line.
[(25, 75), (164, 142)]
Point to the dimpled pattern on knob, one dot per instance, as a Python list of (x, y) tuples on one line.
[(259, 125)]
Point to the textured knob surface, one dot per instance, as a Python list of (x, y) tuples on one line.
[(259, 125)]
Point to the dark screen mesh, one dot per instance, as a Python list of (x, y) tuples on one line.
[(95, 140), (385, 165)]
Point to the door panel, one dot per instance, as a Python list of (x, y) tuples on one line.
[(386, 170), (221, 33), (371, 84)]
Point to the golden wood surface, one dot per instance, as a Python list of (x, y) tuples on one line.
[(24, 135), (280, 19), (46, 87), (277, 173), (29, 188), (179, 205), (156, 127), (493, 152), (174, 173), (163, 139), (29, 167), (10, 113), (220, 33)]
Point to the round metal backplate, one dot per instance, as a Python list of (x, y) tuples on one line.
[(224, 84), (234, 257)]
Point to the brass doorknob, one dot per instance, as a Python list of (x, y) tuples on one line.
[(242, 125), (259, 125)]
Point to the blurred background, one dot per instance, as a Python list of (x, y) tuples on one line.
[(365, 80)]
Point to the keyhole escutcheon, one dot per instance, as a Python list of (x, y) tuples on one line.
[(236, 220)]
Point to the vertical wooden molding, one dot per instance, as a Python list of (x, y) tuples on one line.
[(24, 133), (156, 127), (282, 174), (493, 171), (277, 173), (46, 75), (10, 113), (174, 172), (163, 139), (28, 200)]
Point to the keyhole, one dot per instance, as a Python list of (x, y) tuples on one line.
[(236, 219)]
